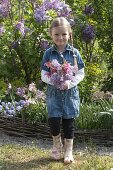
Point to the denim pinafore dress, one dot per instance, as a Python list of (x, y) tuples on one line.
[(62, 103)]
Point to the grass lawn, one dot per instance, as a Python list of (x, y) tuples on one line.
[(18, 157)]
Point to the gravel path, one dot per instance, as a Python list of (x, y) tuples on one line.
[(81, 148)]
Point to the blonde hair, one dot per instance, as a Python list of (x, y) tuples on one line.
[(60, 21)]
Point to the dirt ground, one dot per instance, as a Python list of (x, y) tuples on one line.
[(47, 144)]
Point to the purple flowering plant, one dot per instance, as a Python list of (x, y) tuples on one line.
[(60, 73), (20, 99), (88, 33), (24, 33), (89, 10)]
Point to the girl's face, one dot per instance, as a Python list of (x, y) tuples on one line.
[(60, 36)]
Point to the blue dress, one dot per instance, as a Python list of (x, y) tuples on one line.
[(62, 103)]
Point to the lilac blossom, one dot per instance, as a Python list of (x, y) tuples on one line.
[(26, 29), (4, 9), (44, 44), (53, 4), (41, 14), (64, 10), (88, 34), (88, 10), (21, 27)]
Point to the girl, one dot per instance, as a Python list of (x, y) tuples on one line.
[(62, 105)]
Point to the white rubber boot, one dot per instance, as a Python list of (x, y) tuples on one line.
[(57, 147), (68, 156)]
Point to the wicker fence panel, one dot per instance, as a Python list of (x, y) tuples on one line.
[(15, 127)]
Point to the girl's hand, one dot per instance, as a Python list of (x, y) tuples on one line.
[(65, 87)]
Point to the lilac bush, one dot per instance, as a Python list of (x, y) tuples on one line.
[(24, 36)]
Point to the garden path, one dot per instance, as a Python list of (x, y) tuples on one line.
[(81, 148)]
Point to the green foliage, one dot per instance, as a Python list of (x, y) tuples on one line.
[(100, 50), (36, 113), (95, 73), (104, 21), (96, 115), (24, 60), (93, 115), (3, 87)]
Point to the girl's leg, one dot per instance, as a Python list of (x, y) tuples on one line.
[(68, 129), (54, 124)]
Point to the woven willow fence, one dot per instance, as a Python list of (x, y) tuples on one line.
[(15, 127)]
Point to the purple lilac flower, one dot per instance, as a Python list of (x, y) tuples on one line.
[(88, 10), (44, 44), (60, 73), (21, 27), (53, 4), (2, 30), (64, 10), (41, 14), (88, 33), (55, 79), (4, 8), (56, 64), (26, 29)]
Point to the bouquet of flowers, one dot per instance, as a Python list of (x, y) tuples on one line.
[(60, 73)]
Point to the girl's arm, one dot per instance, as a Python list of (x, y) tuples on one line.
[(45, 77), (78, 78)]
